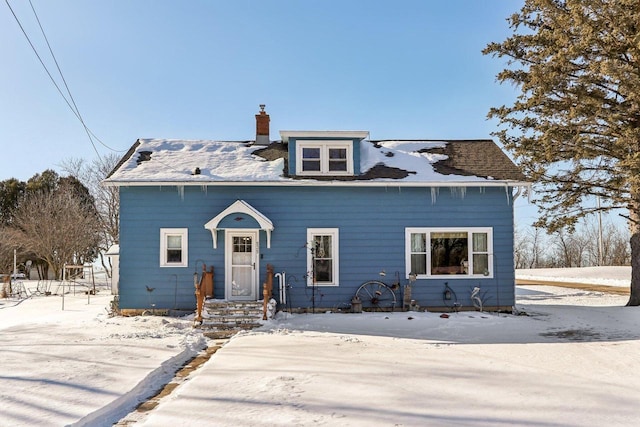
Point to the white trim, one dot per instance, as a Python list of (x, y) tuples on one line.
[(240, 206), (347, 134), (335, 248), (470, 231), (324, 147), (183, 233), (386, 182)]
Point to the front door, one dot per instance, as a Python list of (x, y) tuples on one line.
[(241, 252)]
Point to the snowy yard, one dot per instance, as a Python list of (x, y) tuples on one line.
[(567, 360)]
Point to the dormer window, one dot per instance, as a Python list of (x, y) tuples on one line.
[(334, 153), (324, 157)]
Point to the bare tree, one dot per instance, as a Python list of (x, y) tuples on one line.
[(579, 248), (6, 251), (107, 199), (570, 248), (615, 244), (536, 247), (520, 249), (529, 248), (57, 227)]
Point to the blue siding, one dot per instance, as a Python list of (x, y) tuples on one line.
[(371, 221)]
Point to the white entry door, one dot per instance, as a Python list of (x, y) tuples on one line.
[(241, 273)]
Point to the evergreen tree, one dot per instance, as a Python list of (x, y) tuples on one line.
[(11, 194), (575, 125)]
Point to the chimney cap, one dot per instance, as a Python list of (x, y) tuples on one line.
[(262, 108)]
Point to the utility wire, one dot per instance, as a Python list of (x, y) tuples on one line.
[(75, 110), (89, 131)]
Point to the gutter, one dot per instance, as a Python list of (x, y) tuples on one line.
[(307, 183)]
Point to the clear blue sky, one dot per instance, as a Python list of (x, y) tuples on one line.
[(199, 69)]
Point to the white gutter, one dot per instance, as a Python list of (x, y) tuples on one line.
[(308, 183)]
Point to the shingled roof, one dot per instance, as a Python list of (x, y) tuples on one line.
[(405, 162), (476, 158)]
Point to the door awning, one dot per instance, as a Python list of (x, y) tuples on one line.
[(239, 206)]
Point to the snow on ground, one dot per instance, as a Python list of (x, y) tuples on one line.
[(78, 364), (607, 276), (567, 359)]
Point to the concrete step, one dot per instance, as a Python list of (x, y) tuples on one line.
[(235, 305), (232, 303), (229, 326), (236, 320), (223, 319), (219, 311)]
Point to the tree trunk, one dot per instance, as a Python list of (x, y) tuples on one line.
[(634, 225), (634, 299)]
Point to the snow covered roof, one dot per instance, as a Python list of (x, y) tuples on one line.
[(401, 162)]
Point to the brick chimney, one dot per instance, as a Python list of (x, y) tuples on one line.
[(262, 127)]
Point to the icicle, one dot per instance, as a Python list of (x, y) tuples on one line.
[(506, 192), (181, 191), (458, 191), (434, 194)]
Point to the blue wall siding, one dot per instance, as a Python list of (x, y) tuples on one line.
[(371, 221)]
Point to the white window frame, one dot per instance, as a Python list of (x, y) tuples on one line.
[(324, 147), (335, 244), (165, 233), (470, 231)]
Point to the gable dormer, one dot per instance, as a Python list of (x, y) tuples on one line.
[(324, 153)]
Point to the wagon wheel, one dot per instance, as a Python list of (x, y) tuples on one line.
[(376, 296)]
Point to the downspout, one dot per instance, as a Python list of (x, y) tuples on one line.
[(281, 287), (518, 192)]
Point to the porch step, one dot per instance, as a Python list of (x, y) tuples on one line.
[(218, 311), (223, 319), (234, 320), (228, 326), (233, 305)]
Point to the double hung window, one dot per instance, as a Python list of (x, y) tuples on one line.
[(322, 260), (324, 158), (173, 247)]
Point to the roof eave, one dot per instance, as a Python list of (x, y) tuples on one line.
[(307, 183)]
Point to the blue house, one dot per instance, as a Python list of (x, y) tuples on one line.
[(329, 210)]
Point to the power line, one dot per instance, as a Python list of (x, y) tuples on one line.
[(73, 108), (76, 109)]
